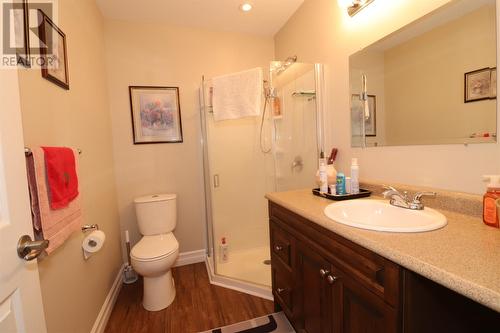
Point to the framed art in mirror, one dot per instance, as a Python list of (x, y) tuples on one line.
[(480, 85)]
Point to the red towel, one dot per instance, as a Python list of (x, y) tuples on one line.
[(61, 176)]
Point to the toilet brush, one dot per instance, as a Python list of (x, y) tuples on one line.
[(129, 275)]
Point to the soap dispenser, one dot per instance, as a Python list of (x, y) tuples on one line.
[(490, 201)]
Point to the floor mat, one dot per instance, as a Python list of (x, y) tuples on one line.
[(276, 322)]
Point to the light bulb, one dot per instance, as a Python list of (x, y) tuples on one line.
[(246, 7), (344, 4)]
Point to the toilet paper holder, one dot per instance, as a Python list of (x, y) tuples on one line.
[(89, 227)]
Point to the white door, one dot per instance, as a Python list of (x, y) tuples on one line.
[(21, 308)]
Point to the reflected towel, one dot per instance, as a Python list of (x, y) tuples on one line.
[(54, 225), (237, 95)]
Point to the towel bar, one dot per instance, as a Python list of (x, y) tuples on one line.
[(28, 152)]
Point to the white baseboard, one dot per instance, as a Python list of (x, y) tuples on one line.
[(109, 303), (192, 257), (244, 287)]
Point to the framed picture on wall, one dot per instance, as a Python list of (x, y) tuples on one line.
[(53, 52), (156, 114), (371, 122), (478, 85), (21, 32)]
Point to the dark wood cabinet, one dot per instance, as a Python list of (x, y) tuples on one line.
[(314, 295), (327, 284), (357, 310)]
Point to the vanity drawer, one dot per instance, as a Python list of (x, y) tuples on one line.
[(281, 245), (282, 281), (377, 274)]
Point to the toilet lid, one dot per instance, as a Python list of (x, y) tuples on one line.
[(154, 247)]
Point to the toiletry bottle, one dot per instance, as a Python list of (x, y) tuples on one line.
[(490, 212), (323, 176), (348, 185), (354, 176), (330, 169), (333, 189), (276, 106), (223, 250), (340, 183)]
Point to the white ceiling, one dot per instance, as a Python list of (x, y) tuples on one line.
[(266, 17)]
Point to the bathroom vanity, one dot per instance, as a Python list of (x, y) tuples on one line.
[(328, 277)]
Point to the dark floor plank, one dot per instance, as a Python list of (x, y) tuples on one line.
[(198, 306)]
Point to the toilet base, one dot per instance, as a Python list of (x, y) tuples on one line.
[(159, 292)]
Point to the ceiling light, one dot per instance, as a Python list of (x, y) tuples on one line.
[(354, 6), (246, 7)]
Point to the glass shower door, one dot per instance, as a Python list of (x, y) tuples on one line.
[(243, 162), (295, 127)]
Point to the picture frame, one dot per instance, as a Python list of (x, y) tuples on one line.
[(156, 114), (493, 83), (54, 54), (371, 122), (477, 85), (21, 28)]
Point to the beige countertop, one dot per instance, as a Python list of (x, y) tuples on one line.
[(463, 256)]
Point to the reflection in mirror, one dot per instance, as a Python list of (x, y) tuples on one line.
[(432, 82)]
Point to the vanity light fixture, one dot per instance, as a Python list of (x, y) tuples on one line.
[(246, 7), (354, 6)]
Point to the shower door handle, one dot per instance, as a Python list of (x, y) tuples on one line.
[(216, 181)]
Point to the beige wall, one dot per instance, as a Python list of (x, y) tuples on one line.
[(73, 289), (320, 32), (161, 55), (424, 79)]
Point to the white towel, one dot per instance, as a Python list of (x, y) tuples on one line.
[(237, 95)]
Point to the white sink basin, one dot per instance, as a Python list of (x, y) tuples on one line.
[(379, 215)]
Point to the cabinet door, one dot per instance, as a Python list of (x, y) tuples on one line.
[(357, 310), (313, 294)]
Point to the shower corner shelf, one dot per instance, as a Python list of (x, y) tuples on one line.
[(304, 94)]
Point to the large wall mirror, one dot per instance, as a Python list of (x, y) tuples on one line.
[(432, 82)]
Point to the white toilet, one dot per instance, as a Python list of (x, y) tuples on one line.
[(153, 256)]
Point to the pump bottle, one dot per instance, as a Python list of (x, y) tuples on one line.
[(491, 201)]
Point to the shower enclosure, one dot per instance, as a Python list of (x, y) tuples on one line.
[(247, 157)]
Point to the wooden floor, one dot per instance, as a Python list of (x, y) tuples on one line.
[(198, 306)]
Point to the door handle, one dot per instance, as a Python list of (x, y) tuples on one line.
[(331, 279), (28, 249), (324, 272)]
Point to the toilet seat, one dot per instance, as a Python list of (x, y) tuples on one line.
[(156, 247)]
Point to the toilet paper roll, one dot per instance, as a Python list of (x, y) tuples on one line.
[(94, 241)]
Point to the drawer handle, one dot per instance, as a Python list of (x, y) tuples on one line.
[(331, 279), (324, 272), (278, 248), (280, 291)]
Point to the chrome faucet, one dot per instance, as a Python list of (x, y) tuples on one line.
[(399, 199)]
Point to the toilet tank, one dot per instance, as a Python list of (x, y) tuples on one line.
[(156, 213)]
